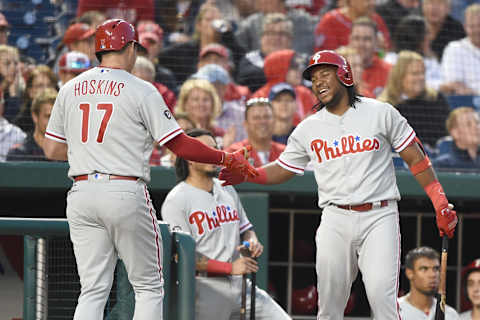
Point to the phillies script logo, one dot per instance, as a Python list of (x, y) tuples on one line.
[(343, 146), (221, 215)]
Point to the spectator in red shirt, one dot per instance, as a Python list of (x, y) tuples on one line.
[(355, 59), (129, 10), (375, 70), (334, 28), (259, 126), (277, 66)]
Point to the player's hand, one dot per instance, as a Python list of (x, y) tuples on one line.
[(237, 163), (446, 220), (244, 265), (230, 178)]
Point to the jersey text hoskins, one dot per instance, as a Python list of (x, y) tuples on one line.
[(98, 87)]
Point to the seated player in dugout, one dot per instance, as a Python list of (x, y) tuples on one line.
[(422, 268), (214, 216), (349, 141), (471, 291)]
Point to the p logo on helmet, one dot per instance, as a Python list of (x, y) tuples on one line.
[(344, 71)]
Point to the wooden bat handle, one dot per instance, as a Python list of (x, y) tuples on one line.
[(442, 288)]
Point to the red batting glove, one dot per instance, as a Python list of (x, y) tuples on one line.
[(446, 216), (237, 163), (231, 179)]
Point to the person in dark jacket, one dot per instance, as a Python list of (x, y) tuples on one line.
[(393, 10), (182, 58), (463, 125)]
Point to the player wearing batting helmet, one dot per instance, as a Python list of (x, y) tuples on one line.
[(348, 141), (105, 123)]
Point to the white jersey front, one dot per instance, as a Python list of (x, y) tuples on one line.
[(215, 220), (467, 315), (409, 312), (110, 119), (351, 154)]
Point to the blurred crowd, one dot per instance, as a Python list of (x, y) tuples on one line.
[(234, 67)]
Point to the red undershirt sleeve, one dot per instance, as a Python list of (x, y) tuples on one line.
[(192, 149)]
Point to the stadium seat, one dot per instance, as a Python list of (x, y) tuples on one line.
[(464, 101)]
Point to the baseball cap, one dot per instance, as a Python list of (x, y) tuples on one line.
[(74, 61), (214, 48), (281, 88), (77, 32), (213, 73), (151, 29), (3, 21)]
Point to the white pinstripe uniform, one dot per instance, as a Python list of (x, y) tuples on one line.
[(409, 312), (109, 120), (216, 220), (352, 163)]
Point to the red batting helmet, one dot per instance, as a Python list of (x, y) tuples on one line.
[(113, 35), (304, 301), (344, 71), (473, 266)]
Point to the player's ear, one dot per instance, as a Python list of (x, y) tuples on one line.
[(409, 273)]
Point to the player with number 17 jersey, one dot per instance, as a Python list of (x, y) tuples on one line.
[(104, 123)]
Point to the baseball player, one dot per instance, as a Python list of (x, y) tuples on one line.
[(215, 218), (422, 268), (105, 122), (471, 284), (349, 141)]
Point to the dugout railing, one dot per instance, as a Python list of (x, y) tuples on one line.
[(178, 265), (288, 230)]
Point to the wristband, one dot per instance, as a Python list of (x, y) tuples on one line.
[(436, 194), (421, 166), (261, 178), (219, 267)]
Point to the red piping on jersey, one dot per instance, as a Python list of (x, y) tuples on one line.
[(398, 266), (55, 136), (413, 132), (156, 232), (168, 135), (245, 226), (290, 166)]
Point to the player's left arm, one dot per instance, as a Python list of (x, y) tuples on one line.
[(55, 150), (421, 167), (256, 248)]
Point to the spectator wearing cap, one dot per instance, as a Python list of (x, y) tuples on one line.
[(71, 64), (145, 70), (284, 104), (259, 126), (277, 34), (217, 54), (80, 37), (10, 134), (4, 29), (129, 10), (151, 38), (182, 58), (232, 114), (277, 66)]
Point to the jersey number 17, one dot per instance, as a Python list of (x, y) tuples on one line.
[(85, 107)]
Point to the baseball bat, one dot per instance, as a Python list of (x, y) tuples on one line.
[(253, 295), (243, 307), (442, 288)]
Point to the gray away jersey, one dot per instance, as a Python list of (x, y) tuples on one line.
[(351, 154), (215, 220), (110, 119)]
